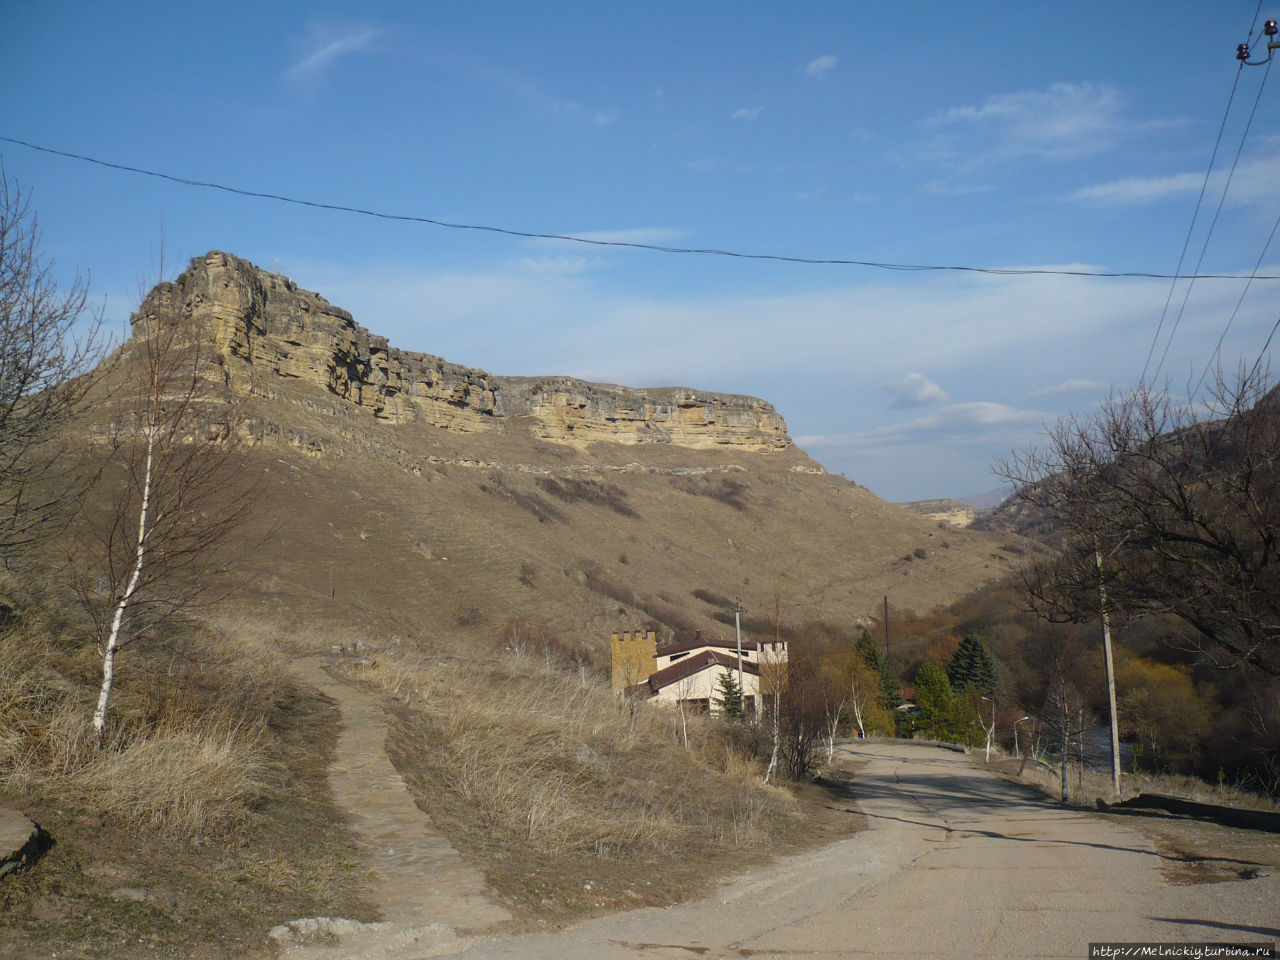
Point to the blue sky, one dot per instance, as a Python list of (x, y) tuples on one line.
[(1002, 135)]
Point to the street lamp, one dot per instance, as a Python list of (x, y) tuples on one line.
[(1015, 735)]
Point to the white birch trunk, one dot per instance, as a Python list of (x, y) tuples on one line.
[(773, 759), (117, 620)]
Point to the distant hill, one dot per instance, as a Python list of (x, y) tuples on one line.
[(412, 496), (988, 499), (951, 512)]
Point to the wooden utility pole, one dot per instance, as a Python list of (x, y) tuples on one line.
[(886, 630), (737, 627)]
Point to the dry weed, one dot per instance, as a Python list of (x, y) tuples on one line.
[(553, 760), (185, 751)]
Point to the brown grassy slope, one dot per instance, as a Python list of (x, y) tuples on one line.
[(417, 529)]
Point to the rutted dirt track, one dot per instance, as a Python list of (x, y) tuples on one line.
[(955, 863)]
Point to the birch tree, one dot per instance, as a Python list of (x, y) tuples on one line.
[(157, 549)]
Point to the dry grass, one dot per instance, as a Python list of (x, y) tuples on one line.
[(556, 787), (1087, 788), (208, 798), (554, 760), (186, 749)]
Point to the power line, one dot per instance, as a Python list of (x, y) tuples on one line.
[(1217, 350), (1155, 338), (1226, 187), (656, 248)]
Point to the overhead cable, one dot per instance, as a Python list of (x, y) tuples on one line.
[(1186, 243), (633, 245), (1226, 187)]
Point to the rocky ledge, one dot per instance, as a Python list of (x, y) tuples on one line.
[(264, 321)]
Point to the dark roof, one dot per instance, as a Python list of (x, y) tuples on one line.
[(696, 664), (687, 645)]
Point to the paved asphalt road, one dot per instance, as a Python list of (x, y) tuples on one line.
[(956, 863)]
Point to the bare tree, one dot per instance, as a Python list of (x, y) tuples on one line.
[(156, 551), (49, 341), (1172, 508)]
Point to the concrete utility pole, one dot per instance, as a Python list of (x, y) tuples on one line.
[(1111, 672), (737, 627)]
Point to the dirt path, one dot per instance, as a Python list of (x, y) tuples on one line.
[(427, 895), (955, 864)]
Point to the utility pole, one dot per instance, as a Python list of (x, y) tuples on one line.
[(1111, 672), (886, 630), (737, 627)]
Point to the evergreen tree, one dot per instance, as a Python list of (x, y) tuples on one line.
[(973, 663), (936, 702), (871, 654), (729, 696)]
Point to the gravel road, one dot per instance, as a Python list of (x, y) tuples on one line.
[(955, 863)]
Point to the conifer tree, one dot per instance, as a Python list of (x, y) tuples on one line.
[(973, 663), (729, 696)]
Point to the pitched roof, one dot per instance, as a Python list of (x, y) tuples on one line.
[(696, 663), (697, 644)]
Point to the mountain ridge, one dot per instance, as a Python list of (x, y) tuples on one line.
[(265, 321)]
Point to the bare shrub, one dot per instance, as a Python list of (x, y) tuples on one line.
[(544, 511), (724, 489), (713, 599), (594, 492)]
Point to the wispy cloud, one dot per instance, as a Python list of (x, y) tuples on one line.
[(326, 43), (1061, 121), (744, 113), (1254, 179), (976, 421), (915, 390), (1074, 385), (820, 65)]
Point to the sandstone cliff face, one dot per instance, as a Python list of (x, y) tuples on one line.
[(265, 322)]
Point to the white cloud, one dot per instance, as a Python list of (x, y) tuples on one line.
[(605, 117), (915, 390), (743, 113), (959, 423), (1254, 180), (1074, 385), (820, 65), (326, 43), (1061, 121), (1140, 189)]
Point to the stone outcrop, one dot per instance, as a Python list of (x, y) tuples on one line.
[(21, 841), (265, 323)]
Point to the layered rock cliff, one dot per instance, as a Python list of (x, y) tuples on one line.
[(265, 322)]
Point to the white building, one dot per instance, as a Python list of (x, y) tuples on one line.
[(690, 672)]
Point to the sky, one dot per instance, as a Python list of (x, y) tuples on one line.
[(1062, 136)]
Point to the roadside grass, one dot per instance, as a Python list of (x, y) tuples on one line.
[(573, 801), (201, 819), (1087, 787)]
